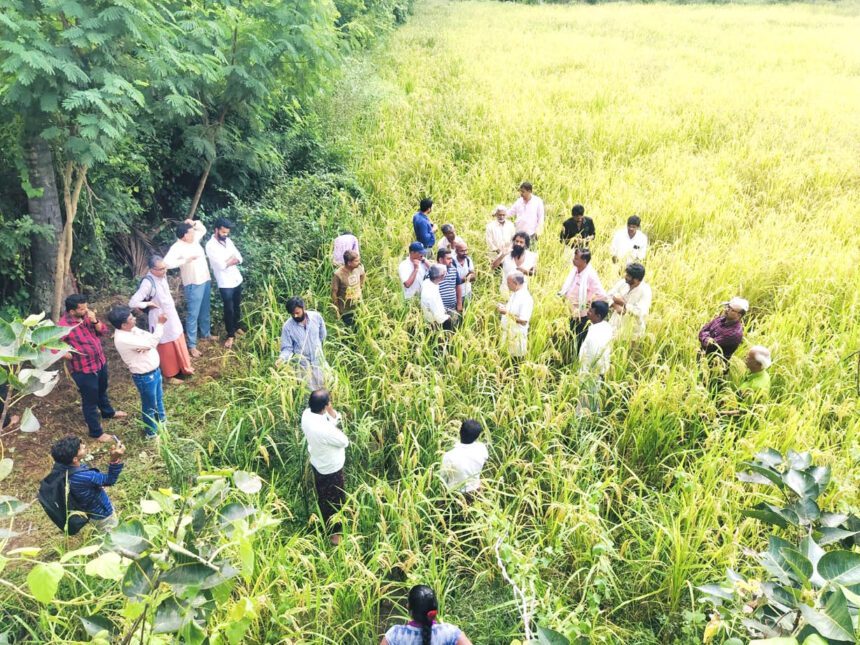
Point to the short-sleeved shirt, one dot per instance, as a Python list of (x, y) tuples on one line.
[(448, 287), (756, 385), (423, 229), (347, 283), (442, 634), (574, 235)]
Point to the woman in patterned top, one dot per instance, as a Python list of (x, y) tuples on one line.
[(424, 629)]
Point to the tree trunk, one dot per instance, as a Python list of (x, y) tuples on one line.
[(199, 192), (71, 198), (45, 211)]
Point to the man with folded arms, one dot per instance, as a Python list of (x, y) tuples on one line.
[(138, 350), (225, 260), (187, 255)]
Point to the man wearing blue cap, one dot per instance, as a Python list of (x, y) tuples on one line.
[(413, 270)]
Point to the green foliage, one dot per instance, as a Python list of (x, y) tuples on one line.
[(807, 590)]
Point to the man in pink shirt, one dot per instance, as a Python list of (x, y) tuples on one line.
[(581, 288), (344, 242), (528, 212)]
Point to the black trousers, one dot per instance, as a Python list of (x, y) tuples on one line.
[(94, 399), (579, 327), (232, 299), (330, 495)]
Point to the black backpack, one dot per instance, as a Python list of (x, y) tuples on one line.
[(53, 495)]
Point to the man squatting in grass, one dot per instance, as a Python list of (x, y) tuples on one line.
[(462, 465), (225, 259), (327, 450), (187, 255), (88, 365), (86, 484), (138, 350), (719, 339)]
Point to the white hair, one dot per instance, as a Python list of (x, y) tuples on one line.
[(518, 277), (500, 207), (761, 354), (437, 271)]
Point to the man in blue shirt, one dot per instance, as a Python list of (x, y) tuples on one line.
[(86, 484), (425, 230)]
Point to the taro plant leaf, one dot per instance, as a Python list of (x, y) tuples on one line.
[(801, 483), (830, 535), (46, 334), (139, 578), (29, 422), (33, 319), (799, 460), (5, 468), (47, 357), (128, 539), (108, 566), (757, 474), (547, 636), (7, 334), (247, 482), (44, 579), (10, 506), (169, 617), (233, 512), (95, 624), (798, 563), (840, 567), (813, 553), (769, 457), (192, 574), (86, 550), (833, 620)]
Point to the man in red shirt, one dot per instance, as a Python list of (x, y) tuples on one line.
[(87, 364)]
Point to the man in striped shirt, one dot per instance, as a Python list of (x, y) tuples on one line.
[(87, 364), (451, 287), (86, 484)]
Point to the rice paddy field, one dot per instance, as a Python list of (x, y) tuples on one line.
[(733, 132)]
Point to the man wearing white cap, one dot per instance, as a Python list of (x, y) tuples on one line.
[(756, 383), (724, 334)]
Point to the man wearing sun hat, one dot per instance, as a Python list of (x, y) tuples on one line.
[(756, 383), (724, 334)]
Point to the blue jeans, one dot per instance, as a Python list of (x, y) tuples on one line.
[(197, 302), (95, 403), (151, 399)]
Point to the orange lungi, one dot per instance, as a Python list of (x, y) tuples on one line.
[(174, 357)]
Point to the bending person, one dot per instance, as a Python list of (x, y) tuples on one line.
[(424, 628)]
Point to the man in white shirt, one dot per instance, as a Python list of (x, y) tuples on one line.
[(187, 254), (137, 349), (462, 465), (594, 355), (449, 237), (327, 450), (629, 244), (630, 301), (431, 299), (528, 212), (499, 233), (465, 269), (516, 314), (412, 270), (225, 260)]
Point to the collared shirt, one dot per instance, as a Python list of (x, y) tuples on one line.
[(404, 270), (157, 290), (462, 465), (326, 443), (509, 265), (342, 244), (89, 355), (304, 340), (431, 303), (595, 350), (423, 230), (87, 485), (637, 304), (574, 235), (520, 306), (582, 288), (628, 249), (137, 348), (464, 269), (529, 214), (499, 236), (218, 252), (444, 243), (448, 287), (727, 336), (196, 271), (347, 285), (755, 385)]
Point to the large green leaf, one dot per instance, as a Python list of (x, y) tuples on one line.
[(813, 553), (7, 334), (232, 512), (108, 566), (44, 579), (547, 636), (48, 333), (769, 457), (94, 625), (139, 578), (829, 535), (128, 539), (170, 616), (197, 575), (799, 460), (840, 567), (5, 468), (10, 506), (833, 620), (801, 483), (798, 563), (806, 510), (758, 474)]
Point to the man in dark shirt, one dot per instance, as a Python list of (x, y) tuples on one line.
[(577, 230), (86, 484), (87, 364), (724, 334), (425, 230)]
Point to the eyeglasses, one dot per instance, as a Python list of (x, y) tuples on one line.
[(159, 269)]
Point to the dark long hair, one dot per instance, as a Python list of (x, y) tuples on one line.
[(423, 607), (515, 253)]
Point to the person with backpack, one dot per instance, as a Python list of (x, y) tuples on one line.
[(153, 296), (72, 486), (424, 629)]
